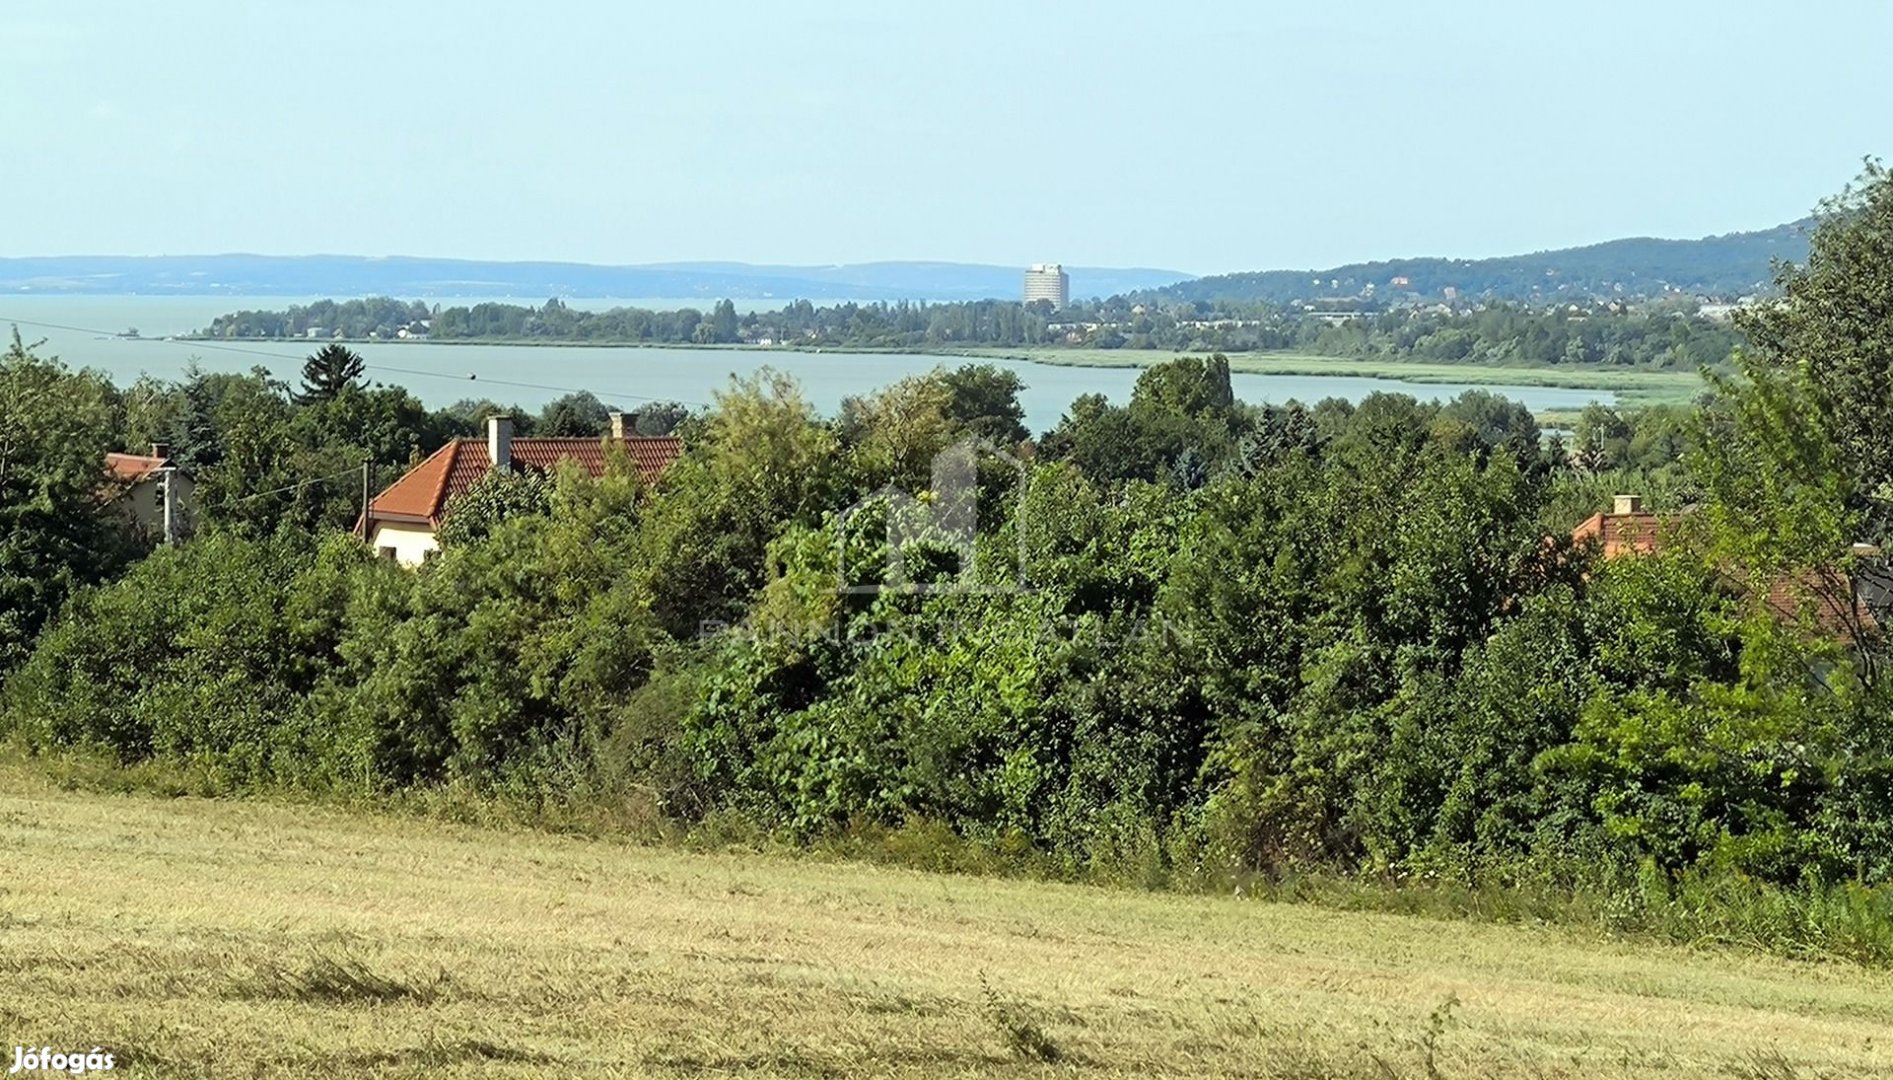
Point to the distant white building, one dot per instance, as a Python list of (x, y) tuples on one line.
[(1048, 281)]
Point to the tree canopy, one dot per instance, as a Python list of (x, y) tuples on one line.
[(329, 372)]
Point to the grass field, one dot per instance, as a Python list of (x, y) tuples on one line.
[(242, 938)]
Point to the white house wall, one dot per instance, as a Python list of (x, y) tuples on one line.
[(409, 544)]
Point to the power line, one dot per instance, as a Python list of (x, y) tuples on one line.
[(351, 471), (195, 343)]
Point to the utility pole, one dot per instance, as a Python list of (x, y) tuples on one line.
[(367, 464), (170, 504)]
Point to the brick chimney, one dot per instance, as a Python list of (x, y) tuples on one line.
[(499, 442), (1627, 504), (161, 451)]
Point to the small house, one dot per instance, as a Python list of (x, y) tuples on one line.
[(157, 499), (403, 522)]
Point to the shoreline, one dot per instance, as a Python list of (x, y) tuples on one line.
[(1636, 386)]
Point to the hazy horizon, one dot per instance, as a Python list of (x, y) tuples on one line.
[(893, 261), (1209, 140), (667, 263)]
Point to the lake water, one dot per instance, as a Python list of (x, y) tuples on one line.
[(78, 329)]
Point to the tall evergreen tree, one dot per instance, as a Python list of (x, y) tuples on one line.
[(331, 370), (725, 320)]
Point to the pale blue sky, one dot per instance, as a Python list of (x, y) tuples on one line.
[(1197, 136)]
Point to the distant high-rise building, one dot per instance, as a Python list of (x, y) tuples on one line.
[(1047, 281)]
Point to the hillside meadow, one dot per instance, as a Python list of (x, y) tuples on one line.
[(251, 938)]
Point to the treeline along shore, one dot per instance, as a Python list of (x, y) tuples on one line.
[(1614, 335)]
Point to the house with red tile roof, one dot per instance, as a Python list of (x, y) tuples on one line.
[(1627, 529), (157, 499), (403, 521), (1838, 605)]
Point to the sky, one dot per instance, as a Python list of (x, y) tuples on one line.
[(1197, 136)]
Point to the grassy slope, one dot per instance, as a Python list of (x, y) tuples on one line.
[(226, 938)]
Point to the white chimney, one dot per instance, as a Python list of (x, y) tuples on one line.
[(1627, 504), (499, 442), (619, 428)]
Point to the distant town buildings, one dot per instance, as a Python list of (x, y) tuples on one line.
[(1048, 281)]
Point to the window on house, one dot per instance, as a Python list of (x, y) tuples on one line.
[(386, 553)]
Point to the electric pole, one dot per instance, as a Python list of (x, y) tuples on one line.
[(170, 504)]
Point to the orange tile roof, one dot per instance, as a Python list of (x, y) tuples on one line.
[(1638, 532), (421, 495), (1808, 593), (132, 468)]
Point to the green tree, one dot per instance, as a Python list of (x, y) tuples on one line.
[(202, 652), (760, 461), (579, 414), (1182, 424), (661, 417), (466, 418), (56, 532), (1833, 322), (983, 399), (895, 432), (724, 322), (493, 498), (329, 372)]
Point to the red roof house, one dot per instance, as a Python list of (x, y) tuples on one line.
[(156, 499), (1627, 529), (1833, 601), (402, 521)]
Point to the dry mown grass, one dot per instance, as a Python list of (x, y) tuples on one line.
[(240, 939)]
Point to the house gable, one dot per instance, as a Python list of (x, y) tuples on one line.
[(417, 502)]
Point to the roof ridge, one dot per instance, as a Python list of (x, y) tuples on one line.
[(421, 495), (440, 488), (590, 438)]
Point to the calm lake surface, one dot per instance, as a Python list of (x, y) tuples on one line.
[(78, 330)]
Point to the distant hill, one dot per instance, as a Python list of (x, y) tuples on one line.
[(1730, 265), (411, 278)]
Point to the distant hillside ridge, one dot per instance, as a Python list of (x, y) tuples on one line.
[(355, 275), (1729, 266)]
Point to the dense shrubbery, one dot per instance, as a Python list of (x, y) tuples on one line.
[(1191, 634), (55, 427), (1188, 639)]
